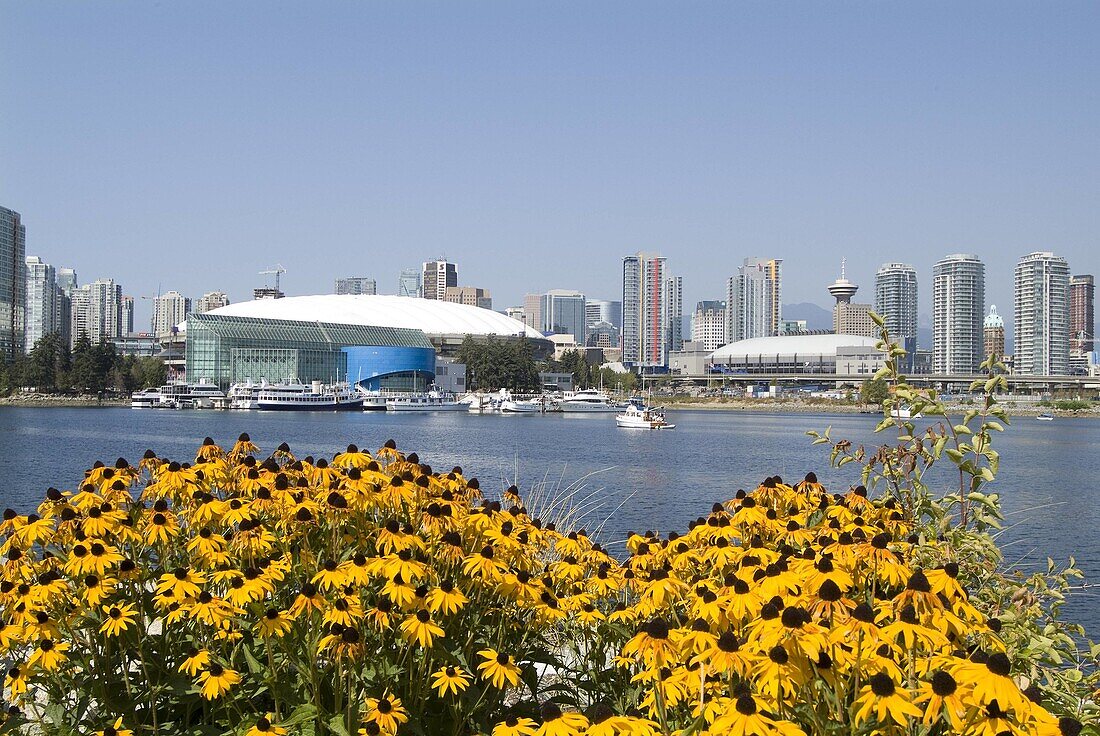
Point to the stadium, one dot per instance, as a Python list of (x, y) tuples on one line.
[(379, 342)]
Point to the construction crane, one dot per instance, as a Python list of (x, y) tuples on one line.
[(277, 269)]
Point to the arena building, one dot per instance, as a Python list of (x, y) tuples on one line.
[(380, 342), (786, 354)]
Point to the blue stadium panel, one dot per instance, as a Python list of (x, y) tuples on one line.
[(387, 367)]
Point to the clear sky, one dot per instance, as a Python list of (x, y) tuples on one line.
[(190, 145)]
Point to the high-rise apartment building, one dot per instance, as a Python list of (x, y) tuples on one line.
[(13, 284), (43, 294), (754, 299), (674, 313), (532, 311), (708, 324), (97, 311), (896, 299), (127, 315), (958, 314), (408, 284), (437, 276), (515, 313), (356, 285), (994, 330), (1082, 317), (1041, 319), (169, 309), (66, 280), (470, 295), (212, 300), (563, 313), (652, 311)]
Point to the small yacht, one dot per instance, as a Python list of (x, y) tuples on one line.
[(245, 395), (904, 412), (313, 396), (431, 401), (638, 416), (145, 399), (525, 406), (182, 395), (588, 400), (373, 400), (1045, 417)]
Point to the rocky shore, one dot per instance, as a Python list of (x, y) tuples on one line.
[(48, 400)]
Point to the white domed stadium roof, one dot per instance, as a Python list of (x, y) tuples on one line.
[(801, 345), (431, 316)]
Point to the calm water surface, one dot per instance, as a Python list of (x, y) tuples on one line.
[(636, 480)]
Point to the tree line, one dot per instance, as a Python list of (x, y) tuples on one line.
[(51, 367), (495, 364)]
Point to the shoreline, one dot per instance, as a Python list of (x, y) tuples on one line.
[(61, 400)]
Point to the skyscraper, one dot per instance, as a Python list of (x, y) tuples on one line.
[(42, 297), (97, 311), (645, 334), (603, 310), (532, 311), (563, 313), (438, 275), (13, 283), (708, 324), (1082, 317), (127, 315), (409, 283), (674, 313), (896, 299), (754, 299), (1041, 321), (169, 309), (356, 285), (470, 295), (994, 329), (958, 313), (212, 300)]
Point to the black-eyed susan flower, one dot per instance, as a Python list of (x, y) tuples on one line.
[(48, 655), (196, 661), (420, 628), (118, 618), (265, 726), (556, 722), (15, 681), (451, 679), (498, 668), (216, 680), (446, 598), (115, 729), (885, 701), (515, 726), (387, 712)]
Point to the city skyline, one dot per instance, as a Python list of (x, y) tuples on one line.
[(482, 135)]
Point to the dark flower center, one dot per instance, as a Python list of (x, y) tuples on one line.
[(998, 664), (943, 684), (882, 685)]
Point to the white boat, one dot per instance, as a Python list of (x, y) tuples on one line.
[(903, 412), (527, 406), (183, 395), (1045, 417), (480, 403), (314, 396), (373, 400), (588, 400), (245, 395), (145, 399), (431, 401), (637, 416)]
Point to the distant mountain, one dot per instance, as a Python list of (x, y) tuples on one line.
[(817, 317)]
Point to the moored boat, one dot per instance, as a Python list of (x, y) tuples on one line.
[(431, 401), (1045, 417), (145, 399), (588, 400), (638, 416), (314, 396)]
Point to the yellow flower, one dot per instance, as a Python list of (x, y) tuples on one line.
[(557, 723), (273, 624), (15, 682), (217, 680), (515, 726), (450, 680), (118, 619), (115, 729), (883, 700), (48, 655), (386, 712), (498, 668), (264, 726), (446, 598), (196, 660), (420, 628)]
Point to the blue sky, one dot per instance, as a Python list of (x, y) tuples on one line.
[(191, 145)]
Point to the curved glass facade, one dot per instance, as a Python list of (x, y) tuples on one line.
[(393, 368)]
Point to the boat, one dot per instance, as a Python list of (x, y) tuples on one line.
[(145, 399), (313, 396), (245, 395), (1045, 417), (588, 400), (638, 416), (903, 412), (183, 395), (481, 403), (430, 401), (517, 406), (373, 400)]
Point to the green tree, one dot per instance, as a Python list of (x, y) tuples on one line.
[(873, 391)]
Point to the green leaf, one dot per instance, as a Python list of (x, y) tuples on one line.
[(336, 725)]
